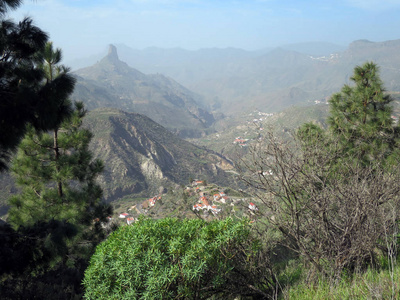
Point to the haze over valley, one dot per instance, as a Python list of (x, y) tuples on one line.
[(210, 97), (199, 149), (205, 70)]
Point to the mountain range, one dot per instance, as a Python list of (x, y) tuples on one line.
[(112, 83), (234, 80), (137, 118)]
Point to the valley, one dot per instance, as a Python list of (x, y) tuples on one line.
[(154, 133), (180, 149)]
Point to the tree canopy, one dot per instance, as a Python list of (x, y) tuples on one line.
[(58, 214), (27, 96), (360, 120)]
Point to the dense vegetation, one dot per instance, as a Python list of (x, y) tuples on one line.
[(178, 259)]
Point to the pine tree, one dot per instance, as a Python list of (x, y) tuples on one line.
[(6, 5), (25, 93), (361, 117), (360, 125), (57, 175), (20, 82), (56, 171)]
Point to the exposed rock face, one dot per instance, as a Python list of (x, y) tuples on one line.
[(112, 53), (140, 155)]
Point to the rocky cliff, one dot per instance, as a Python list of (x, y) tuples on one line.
[(141, 156)]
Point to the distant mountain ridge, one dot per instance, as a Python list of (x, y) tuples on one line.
[(112, 83), (232, 80)]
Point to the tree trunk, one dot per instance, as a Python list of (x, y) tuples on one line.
[(57, 156)]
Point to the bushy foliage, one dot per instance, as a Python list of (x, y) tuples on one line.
[(177, 259)]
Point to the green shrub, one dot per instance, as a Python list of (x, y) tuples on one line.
[(176, 259)]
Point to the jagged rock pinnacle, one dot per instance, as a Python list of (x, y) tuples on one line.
[(112, 52)]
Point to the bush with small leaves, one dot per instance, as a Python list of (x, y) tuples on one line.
[(177, 259)]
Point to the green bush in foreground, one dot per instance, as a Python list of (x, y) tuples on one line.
[(177, 259)]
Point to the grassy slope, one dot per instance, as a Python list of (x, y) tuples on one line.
[(372, 284)]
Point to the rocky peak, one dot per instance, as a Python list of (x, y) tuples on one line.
[(112, 53)]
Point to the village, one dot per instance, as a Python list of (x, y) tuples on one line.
[(257, 121), (208, 201)]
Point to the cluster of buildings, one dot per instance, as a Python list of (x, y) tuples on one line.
[(259, 113), (240, 141), (205, 202), (260, 116), (333, 56), (129, 219), (208, 200), (148, 203)]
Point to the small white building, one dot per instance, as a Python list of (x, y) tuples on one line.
[(252, 206), (123, 215)]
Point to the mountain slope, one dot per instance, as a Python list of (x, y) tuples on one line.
[(141, 156), (112, 83)]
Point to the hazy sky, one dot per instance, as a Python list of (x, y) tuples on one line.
[(85, 27)]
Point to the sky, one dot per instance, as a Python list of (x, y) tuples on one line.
[(86, 27)]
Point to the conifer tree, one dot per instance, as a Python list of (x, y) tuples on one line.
[(360, 121), (20, 82), (27, 97), (6, 5), (56, 172), (361, 116)]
